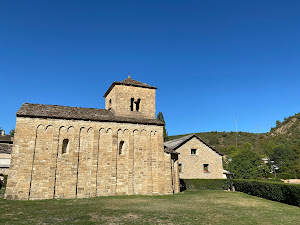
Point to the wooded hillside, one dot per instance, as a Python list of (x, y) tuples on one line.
[(285, 133)]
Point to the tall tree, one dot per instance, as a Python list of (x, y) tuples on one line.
[(160, 117), (278, 123), (246, 164), (284, 158), (12, 132)]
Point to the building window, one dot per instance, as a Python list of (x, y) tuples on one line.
[(180, 167), (132, 104), (193, 151), (137, 104), (121, 147), (109, 104), (205, 168), (65, 146)]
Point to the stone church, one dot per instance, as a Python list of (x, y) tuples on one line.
[(71, 152)]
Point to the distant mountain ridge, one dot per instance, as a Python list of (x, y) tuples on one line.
[(289, 126), (286, 132)]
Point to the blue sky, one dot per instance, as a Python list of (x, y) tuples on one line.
[(212, 61)]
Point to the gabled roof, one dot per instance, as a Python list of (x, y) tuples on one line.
[(170, 151), (6, 139), (76, 113), (176, 143), (129, 82)]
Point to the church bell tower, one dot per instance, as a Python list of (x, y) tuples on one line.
[(131, 98)]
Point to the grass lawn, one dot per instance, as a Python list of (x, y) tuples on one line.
[(190, 207)]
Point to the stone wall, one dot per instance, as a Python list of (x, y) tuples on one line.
[(93, 164), (4, 171), (192, 165), (5, 159), (174, 172), (5, 150)]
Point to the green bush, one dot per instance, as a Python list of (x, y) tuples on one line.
[(271, 179), (206, 184), (280, 192)]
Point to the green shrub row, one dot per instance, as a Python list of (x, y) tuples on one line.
[(206, 184), (280, 192)]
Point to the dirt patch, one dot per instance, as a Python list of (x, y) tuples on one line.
[(130, 216), (94, 217)]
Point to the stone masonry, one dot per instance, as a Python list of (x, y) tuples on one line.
[(69, 152)]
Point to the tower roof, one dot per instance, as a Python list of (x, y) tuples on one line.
[(129, 82)]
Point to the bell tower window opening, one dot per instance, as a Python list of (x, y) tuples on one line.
[(137, 104), (109, 104), (65, 146), (132, 103), (121, 148)]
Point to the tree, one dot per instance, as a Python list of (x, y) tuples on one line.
[(284, 158), (296, 149), (278, 123), (270, 147), (248, 146), (12, 132), (160, 117), (246, 164), (214, 140), (232, 149)]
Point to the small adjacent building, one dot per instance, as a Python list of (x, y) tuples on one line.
[(196, 159), (6, 142)]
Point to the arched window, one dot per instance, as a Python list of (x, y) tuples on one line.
[(121, 147), (65, 146)]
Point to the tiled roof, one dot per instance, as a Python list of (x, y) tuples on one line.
[(6, 139), (173, 144), (129, 82), (176, 143), (170, 151), (76, 113), (5, 148)]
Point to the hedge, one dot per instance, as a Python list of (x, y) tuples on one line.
[(205, 184), (280, 192)]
